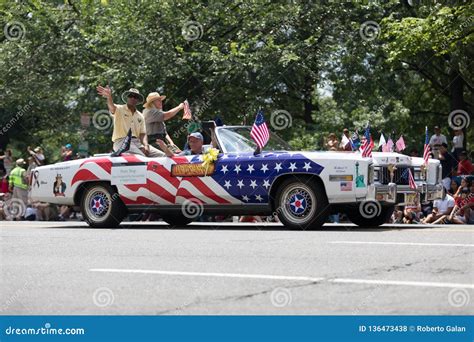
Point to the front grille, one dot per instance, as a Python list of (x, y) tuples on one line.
[(400, 175)]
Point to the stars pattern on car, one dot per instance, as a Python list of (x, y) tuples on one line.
[(250, 178)]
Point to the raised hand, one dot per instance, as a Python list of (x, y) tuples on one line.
[(104, 91)]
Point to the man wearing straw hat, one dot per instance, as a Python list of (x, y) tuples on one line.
[(127, 117), (155, 117)]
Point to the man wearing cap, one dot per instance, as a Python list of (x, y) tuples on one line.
[(195, 142), (127, 117), (17, 181), (155, 117)]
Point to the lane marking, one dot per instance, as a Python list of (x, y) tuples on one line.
[(206, 274), (402, 243), (277, 277), (401, 283)]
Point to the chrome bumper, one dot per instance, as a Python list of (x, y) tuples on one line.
[(429, 192), (383, 193)]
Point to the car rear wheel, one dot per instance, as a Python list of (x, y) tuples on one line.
[(301, 205), (370, 214), (101, 206)]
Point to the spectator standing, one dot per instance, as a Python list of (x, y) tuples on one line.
[(437, 139), (458, 143), (66, 152), (332, 143), (18, 181), (448, 163), (37, 155), (465, 167), (345, 141), (7, 161), (3, 182)]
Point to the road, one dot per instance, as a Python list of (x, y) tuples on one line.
[(205, 268)]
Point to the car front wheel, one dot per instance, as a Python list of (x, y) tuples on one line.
[(101, 206), (301, 205)]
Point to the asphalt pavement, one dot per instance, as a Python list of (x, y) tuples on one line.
[(66, 268)]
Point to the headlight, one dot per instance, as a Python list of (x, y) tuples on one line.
[(376, 170), (370, 176), (417, 174)]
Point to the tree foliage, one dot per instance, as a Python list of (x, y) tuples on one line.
[(231, 58)]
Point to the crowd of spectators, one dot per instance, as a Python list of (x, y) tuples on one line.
[(15, 179), (457, 178)]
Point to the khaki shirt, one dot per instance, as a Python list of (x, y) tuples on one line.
[(124, 119), (155, 121)]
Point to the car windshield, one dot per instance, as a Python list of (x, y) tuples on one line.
[(237, 139)]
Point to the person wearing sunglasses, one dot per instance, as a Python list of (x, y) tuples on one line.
[(127, 117)]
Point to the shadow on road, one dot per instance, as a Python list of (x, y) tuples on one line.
[(245, 226)]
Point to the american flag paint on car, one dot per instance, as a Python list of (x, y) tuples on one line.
[(301, 187)]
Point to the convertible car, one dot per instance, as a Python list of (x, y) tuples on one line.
[(302, 188)]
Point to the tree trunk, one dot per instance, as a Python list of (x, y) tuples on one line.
[(307, 99)]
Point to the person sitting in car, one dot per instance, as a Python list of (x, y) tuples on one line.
[(195, 145)]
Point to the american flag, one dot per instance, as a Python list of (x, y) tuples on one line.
[(427, 149), (411, 180), (260, 133), (400, 144), (408, 175), (187, 111), (367, 145)]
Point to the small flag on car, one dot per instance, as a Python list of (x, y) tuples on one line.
[(260, 133), (411, 180), (382, 141), (125, 146), (368, 143), (388, 147), (187, 111), (427, 149), (400, 144)]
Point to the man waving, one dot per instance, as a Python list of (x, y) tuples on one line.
[(127, 117)]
